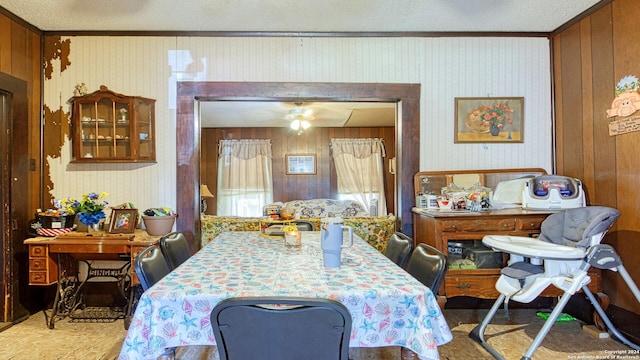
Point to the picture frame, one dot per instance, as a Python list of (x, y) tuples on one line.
[(123, 221), (301, 164), (489, 120)]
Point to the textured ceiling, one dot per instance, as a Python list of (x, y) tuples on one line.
[(299, 15)]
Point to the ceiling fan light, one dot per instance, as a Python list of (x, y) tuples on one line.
[(295, 124), (305, 124)]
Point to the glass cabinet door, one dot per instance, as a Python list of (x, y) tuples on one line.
[(144, 110), (103, 134)]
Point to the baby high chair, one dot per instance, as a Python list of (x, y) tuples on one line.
[(568, 245)]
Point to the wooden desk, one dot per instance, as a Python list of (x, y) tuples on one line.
[(438, 228), (54, 260)]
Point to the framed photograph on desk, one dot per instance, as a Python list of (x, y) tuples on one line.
[(123, 221)]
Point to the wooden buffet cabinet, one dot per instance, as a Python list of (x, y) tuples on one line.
[(444, 229), (453, 230)]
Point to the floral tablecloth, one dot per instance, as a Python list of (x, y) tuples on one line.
[(387, 305)]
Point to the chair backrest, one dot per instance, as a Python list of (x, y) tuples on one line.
[(283, 328), (399, 248), (175, 249), (580, 227), (428, 265), (305, 225), (150, 266)]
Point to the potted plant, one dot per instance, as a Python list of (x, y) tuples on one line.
[(89, 210), (159, 221)]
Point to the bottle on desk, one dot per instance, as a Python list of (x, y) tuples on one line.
[(432, 201), (421, 200)]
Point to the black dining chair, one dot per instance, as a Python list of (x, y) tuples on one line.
[(399, 248), (282, 328), (428, 265), (150, 266), (175, 248)]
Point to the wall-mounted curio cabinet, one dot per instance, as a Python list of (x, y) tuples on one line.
[(111, 127)]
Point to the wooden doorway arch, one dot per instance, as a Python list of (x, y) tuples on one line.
[(407, 96)]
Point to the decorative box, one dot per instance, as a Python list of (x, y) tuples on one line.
[(55, 222)]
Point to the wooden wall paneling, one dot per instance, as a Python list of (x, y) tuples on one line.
[(572, 145), (558, 136), (20, 50), (589, 59), (626, 50), (587, 106), (5, 44), (279, 181), (35, 108), (20, 57), (602, 78), (323, 188)]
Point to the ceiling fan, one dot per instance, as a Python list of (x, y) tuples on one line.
[(300, 118)]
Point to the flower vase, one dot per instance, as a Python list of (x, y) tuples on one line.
[(94, 228), (494, 130)]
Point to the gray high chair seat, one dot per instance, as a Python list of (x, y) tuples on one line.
[(568, 245)]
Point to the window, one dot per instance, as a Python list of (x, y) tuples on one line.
[(245, 183), (360, 172)]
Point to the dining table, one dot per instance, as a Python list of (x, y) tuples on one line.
[(388, 306)]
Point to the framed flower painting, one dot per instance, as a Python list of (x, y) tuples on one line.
[(489, 120)]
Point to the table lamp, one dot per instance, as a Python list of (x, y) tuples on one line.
[(204, 194)]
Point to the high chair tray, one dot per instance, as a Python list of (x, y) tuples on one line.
[(531, 247)]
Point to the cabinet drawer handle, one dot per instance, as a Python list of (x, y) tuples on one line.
[(454, 226), (532, 224), (463, 286), (505, 225)]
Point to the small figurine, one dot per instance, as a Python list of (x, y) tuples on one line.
[(80, 90)]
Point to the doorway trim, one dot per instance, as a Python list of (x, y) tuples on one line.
[(14, 216), (407, 97)]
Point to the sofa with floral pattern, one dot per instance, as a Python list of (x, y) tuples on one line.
[(324, 208), (376, 230)]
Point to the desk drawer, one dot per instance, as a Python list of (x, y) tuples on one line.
[(39, 278), (483, 225), (37, 251), (38, 264), (476, 286), (529, 223)]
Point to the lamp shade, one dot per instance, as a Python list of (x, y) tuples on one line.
[(204, 192)]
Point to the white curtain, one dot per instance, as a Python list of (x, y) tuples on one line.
[(245, 179), (360, 172)]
